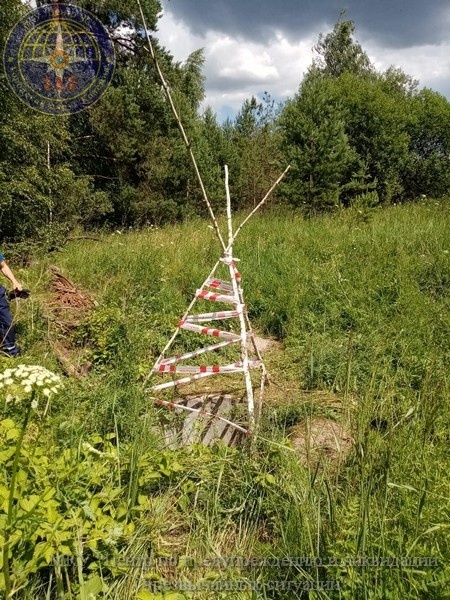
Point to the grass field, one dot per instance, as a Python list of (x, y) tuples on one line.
[(361, 304)]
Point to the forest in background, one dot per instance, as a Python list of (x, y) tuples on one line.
[(354, 137)]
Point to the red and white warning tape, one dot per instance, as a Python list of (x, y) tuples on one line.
[(201, 412), (212, 316), (214, 297), (226, 335), (236, 273), (175, 359), (169, 384), (219, 284), (231, 368), (230, 262)]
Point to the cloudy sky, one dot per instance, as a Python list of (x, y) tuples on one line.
[(252, 46)]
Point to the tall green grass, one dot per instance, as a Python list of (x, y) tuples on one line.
[(361, 304)]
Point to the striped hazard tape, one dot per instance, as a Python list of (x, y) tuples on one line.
[(219, 284), (169, 384), (213, 316), (226, 335), (230, 262), (236, 273), (231, 368), (198, 352), (214, 297)]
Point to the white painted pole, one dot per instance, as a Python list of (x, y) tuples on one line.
[(237, 292)]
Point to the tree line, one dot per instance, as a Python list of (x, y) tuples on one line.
[(354, 137)]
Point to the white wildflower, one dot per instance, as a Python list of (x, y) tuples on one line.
[(23, 379)]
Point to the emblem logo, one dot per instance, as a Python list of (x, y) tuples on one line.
[(59, 59)]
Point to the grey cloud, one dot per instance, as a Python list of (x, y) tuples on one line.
[(250, 86), (396, 23), (226, 83)]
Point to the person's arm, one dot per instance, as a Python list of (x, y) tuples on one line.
[(10, 275)]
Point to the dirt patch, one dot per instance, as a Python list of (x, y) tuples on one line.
[(321, 440), (264, 344), (65, 309)]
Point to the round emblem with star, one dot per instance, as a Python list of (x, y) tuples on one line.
[(59, 59)]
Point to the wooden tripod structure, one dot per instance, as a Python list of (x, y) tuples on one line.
[(214, 290)]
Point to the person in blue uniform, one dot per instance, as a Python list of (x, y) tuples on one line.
[(7, 334)]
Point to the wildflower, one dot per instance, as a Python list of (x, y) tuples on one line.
[(22, 380)]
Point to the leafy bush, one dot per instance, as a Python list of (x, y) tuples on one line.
[(104, 334)]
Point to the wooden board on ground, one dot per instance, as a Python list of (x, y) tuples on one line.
[(194, 427)]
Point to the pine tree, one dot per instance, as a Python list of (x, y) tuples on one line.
[(339, 53), (315, 142)]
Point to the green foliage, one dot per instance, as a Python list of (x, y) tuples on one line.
[(374, 130), (428, 167), (352, 135), (117, 13), (255, 143), (104, 333), (362, 309), (339, 53), (71, 511), (359, 301), (316, 145), (376, 127)]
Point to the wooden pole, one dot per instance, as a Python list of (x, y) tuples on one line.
[(181, 128), (237, 291), (261, 203), (230, 225)]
